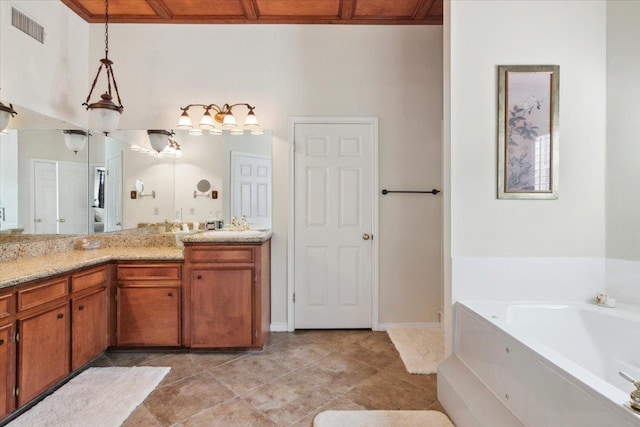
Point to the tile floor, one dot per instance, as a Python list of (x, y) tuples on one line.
[(297, 376)]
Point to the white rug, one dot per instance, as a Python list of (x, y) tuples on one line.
[(381, 419), (98, 397), (421, 349)]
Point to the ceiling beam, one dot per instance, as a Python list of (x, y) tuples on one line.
[(160, 9), (250, 9), (78, 9), (423, 9), (347, 7)]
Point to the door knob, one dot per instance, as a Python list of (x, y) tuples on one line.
[(62, 220), (365, 236)]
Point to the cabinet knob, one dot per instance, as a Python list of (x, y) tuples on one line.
[(199, 276), (170, 294), (80, 308), (60, 315)]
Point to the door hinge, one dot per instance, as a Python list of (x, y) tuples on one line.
[(255, 277), (294, 297), (16, 391), (16, 337), (255, 333), (294, 146)]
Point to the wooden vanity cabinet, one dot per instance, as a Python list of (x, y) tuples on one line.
[(227, 295), (43, 337), (89, 314), (7, 354), (149, 308), (61, 325)]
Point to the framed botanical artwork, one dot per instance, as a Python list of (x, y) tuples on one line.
[(528, 136)]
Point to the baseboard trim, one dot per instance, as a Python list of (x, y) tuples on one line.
[(385, 326), (279, 327)]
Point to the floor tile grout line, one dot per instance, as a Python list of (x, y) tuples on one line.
[(285, 350)]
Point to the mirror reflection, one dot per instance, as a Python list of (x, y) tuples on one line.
[(56, 179), (43, 178)]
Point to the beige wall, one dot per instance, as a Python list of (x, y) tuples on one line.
[(50, 78), (510, 249), (529, 32), (623, 128), (392, 72)]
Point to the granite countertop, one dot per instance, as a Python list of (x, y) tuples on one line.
[(48, 261), (31, 268), (226, 236)]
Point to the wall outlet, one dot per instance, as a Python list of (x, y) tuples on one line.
[(192, 211), (156, 211), (2, 217)]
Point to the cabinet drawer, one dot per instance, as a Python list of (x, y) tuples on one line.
[(40, 294), (7, 308), (88, 279), (149, 272), (222, 254)]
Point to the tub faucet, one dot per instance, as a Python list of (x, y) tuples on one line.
[(634, 403)]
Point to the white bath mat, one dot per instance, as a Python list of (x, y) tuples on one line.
[(381, 419), (98, 397), (421, 349)]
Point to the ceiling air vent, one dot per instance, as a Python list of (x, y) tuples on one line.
[(27, 25)]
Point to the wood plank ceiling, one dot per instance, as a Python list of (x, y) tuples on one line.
[(370, 12)]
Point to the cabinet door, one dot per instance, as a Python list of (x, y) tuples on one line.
[(148, 316), (43, 350), (6, 370), (88, 328), (222, 308)]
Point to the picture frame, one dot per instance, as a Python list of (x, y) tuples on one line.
[(528, 131)]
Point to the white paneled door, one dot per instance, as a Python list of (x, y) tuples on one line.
[(45, 197), (251, 188), (333, 225), (113, 193)]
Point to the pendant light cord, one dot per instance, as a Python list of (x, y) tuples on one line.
[(106, 29), (106, 63)]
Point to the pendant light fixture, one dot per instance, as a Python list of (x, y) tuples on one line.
[(162, 144), (105, 114), (223, 119), (159, 138), (75, 140), (5, 115)]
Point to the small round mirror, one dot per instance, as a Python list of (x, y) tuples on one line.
[(139, 186), (203, 186)]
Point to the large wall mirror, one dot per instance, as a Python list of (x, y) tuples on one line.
[(43, 178), (51, 184)]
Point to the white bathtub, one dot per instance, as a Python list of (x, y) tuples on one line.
[(541, 365)]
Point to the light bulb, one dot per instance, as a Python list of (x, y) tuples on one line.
[(206, 122), (184, 122), (229, 122)]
